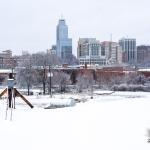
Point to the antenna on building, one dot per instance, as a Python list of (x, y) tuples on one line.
[(111, 37), (61, 17)]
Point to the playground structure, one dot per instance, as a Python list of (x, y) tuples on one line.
[(12, 93)]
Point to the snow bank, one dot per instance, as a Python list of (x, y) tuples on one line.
[(59, 103), (131, 87), (103, 92)]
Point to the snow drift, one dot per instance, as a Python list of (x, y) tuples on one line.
[(59, 103)]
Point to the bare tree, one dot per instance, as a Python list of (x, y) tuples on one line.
[(71, 60), (42, 61), (85, 81), (61, 79), (26, 73)]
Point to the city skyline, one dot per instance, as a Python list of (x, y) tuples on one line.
[(31, 25)]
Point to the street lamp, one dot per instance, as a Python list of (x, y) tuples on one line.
[(50, 75)]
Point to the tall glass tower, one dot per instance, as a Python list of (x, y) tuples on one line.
[(63, 43)]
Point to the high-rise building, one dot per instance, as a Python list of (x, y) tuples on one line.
[(143, 55), (129, 50), (89, 52), (112, 51), (63, 43)]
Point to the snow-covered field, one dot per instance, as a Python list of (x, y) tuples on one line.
[(119, 121)]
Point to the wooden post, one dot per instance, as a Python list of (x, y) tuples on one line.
[(17, 93), (1, 94), (10, 92)]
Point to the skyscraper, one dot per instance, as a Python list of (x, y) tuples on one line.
[(129, 50), (63, 43)]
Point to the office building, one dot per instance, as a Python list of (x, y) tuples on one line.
[(89, 52), (113, 52), (129, 50), (143, 55), (63, 43)]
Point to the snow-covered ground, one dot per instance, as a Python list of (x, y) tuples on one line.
[(119, 121)]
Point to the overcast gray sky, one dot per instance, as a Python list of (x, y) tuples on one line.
[(31, 24)]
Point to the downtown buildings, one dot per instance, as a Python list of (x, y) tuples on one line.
[(91, 51)]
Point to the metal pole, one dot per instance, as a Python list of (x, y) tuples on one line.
[(92, 86), (50, 87), (44, 80), (92, 91), (12, 72), (50, 82)]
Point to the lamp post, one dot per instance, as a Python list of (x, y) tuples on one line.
[(50, 75)]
